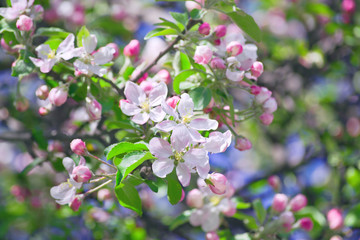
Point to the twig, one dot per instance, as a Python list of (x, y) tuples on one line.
[(97, 158), (98, 187)]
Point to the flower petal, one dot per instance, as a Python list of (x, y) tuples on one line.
[(212, 221), (82, 67), (195, 135), (63, 193), (186, 105), (103, 55), (157, 114), (129, 109), (43, 51), (47, 65), (66, 45), (196, 217), (203, 171), (183, 173), (180, 137), (89, 43), (160, 148), (19, 5), (166, 126), (162, 167), (158, 94), (196, 157), (69, 164), (134, 93), (203, 124), (140, 118)]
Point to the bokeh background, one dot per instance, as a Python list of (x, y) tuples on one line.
[(311, 53)]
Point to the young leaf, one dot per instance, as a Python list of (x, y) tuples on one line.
[(246, 23), (123, 147), (83, 33), (181, 77), (129, 197), (52, 32), (160, 32), (201, 97), (259, 210), (131, 161), (249, 221), (174, 191), (184, 61), (180, 17)]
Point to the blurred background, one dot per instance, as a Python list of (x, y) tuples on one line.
[(311, 53)]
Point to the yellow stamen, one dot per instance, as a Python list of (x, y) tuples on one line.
[(215, 200), (51, 55)]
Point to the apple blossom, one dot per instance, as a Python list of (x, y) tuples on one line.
[(90, 61), (58, 95), (217, 63), (218, 142), (298, 202), (220, 31), (306, 224), (257, 69), (279, 202), (132, 49), (104, 194), (24, 23), (116, 48), (235, 76), (163, 76), (270, 105), (243, 144), (195, 198), (93, 108), (173, 101), (204, 28), (266, 118), (287, 219), (335, 219), (81, 174), (143, 106), (203, 54), (17, 7), (76, 202), (218, 183), (336, 237), (263, 95), (234, 48), (48, 57), (78, 146), (42, 92)]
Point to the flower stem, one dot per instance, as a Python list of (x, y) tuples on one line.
[(98, 187), (97, 158)]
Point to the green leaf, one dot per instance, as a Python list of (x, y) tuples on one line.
[(53, 43), (180, 17), (319, 9), (174, 191), (249, 221), (32, 165), (181, 77), (6, 26), (39, 138), (259, 210), (152, 185), (160, 32), (201, 97), (352, 218), (316, 216), (52, 32), (246, 23), (195, 14), (83, 33), (169, 24), (244, 236), (129, 197), (184, 61), (23, 66), (180, 220), (123, 147), (353, 177), (131, 161), (78, 91)]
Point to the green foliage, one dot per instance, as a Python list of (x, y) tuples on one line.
[(259, 210), (23, 65), (160, 32), (52, 32), (129, 197), (201, 97), (180, 220), (246, 23), (123, 147), (174, 190), (83, 33)]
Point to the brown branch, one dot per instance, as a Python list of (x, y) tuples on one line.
[(112, 84), (191, 23)]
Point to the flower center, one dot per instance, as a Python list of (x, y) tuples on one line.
[(215, 200), (178, 156), (186, 119), (51, 54), (68, 182), (145, 106)]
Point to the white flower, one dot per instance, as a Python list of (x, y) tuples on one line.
[(16, 9)]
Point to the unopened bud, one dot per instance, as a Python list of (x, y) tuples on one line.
[(274, 182), (93, 108), (211, 236), (21, 104), (116, 48), (263, 95), (287, 219), (132, 49), (58, 96), (172, 102), (219, 183), (204, 28), (24, 23), (335, 219), (257, 69), (78, 147), (195, 198), (306, 224), (43, 111), (280, 202), (220, 31), (243, 144), (217, 63), (266, 118), (147, 86), (234, 48), (42, 92), (270, 105), (81, 174), (163, 76), (76, 202), (103, 194), (255, 89), (298, 203)]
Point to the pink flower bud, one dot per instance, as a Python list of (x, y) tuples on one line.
[(76, 202), (257, 69), (298, 203), (132, 49), (204, 28), (136, 73), (163, 76), (218, 63), (103, 194), (220, 31), (43, 111), (81, 174), (147, 86), (336, 237), (306, 224), (211, 236), (195, 198), (123, 100), (270, 105), (287, 219), (217, 42), (42, 92), (39, 12), (274, 182), (280, 202), (230, 210), (55, 146), (230, 191), (116, 48), (21, 104), (6, 47), (234, 48), (172, 102), (190, 5), (264, 95), (203, 54), (266, 118), (78, 147), (219, 183), (348, 6), (243, 144), (182, 195), (335, 219), (58, 96), (93, 108), (24, 23), (255, 89)]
